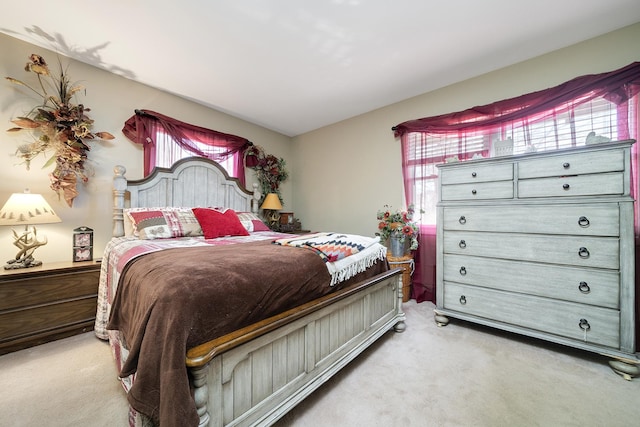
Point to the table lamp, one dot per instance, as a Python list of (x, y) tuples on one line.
[(271, 206), (26, 209)]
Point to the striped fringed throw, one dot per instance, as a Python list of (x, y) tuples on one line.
[(344, 254)]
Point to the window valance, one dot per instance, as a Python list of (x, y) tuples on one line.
[(616, 86), (143, 126)]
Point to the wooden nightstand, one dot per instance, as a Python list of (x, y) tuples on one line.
[(407, 264), (45, 303)]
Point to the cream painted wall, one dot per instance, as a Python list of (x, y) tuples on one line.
[(347, 171), (112, 100)]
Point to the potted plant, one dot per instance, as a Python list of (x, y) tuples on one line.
[(398, 230)]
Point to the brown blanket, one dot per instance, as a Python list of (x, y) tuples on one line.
[(172, 300)]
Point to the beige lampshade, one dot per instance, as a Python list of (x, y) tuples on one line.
[(271, 202), (26, 209)]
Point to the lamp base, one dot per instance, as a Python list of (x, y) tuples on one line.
[(24, 262), (27, 242), (273, 217)]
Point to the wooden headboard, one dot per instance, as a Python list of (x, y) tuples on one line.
[(190, 182)]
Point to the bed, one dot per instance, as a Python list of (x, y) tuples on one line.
[(207, 360)]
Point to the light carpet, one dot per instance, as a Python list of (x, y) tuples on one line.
[(458, 375)]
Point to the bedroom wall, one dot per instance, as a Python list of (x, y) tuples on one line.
[(347, 171), (112, 100)]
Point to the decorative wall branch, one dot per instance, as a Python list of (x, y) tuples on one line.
[(59, 126)]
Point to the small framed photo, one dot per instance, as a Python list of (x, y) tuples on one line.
[(82, 239), (82, 244), (82, 254), (286, 218)]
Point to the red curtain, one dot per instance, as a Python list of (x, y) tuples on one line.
[(618, 87), (144, 125)]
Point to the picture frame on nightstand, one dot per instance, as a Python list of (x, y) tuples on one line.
[(288, 223), (82, 244), (286, 218)]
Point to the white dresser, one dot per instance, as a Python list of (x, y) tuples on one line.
[(542, 245)]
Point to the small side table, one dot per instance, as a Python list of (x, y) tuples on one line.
[(407, 264)]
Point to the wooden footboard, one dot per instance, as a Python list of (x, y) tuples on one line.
[(255, 375)]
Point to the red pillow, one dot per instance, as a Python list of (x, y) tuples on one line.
[(216, 223)]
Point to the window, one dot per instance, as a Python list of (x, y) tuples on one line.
[(166, 140), (168, 152)]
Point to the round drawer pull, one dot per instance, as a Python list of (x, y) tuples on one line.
[(584, 325), (566, 165), (463, 271), (462, 220), (463, 299), (583, 252), (462, 244), (474, 192), (583, 222), (584, 288), (473, 174), (566, 186)]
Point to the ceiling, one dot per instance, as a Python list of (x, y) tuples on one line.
[(294, 66)]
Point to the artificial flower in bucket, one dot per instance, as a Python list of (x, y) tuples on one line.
[(58, 126), (398, 225)]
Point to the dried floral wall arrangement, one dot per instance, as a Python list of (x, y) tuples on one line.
[(269, 169), (57, 126)]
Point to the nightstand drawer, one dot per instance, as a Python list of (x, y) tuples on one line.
[(46, 317), (45, 289)]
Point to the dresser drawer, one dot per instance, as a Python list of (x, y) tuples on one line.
[(476, 173), (542, 314), (581, 220), (572, 186), (582, 285), (572, 164), (477, 191), (597, 252)]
